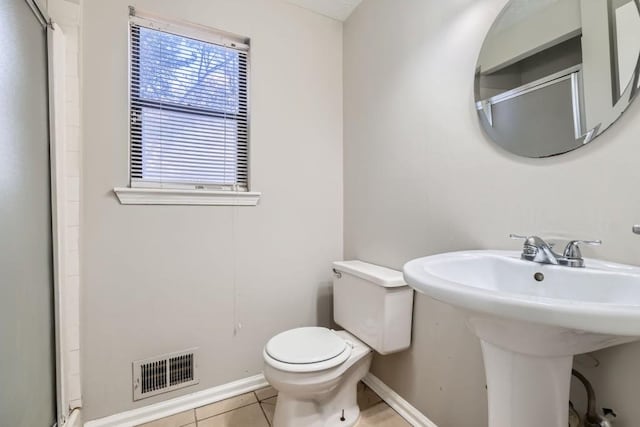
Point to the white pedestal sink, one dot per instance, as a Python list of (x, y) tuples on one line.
[(531, 320)]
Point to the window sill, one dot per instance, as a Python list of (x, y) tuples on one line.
[(163, 196)]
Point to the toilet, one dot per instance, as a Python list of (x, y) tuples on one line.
[(316, 370)]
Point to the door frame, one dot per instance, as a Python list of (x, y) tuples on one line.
[(56, 60), (56, 70)]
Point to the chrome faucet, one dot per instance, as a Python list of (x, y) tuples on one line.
[(537, 250)]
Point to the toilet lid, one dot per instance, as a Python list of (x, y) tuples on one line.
[(305, 345)]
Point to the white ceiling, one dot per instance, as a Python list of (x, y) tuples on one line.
[(336, 9)]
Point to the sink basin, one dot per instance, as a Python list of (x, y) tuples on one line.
[(531, 320)]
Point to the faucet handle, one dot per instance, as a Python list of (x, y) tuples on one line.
[(519, 236), (536, 249), (531, 240), (636, 229), (572, 250), (532, 245)]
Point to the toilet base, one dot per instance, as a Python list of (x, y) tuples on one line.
[(326, 409), (292, 412)]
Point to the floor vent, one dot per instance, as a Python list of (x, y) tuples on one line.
[(164, 373)]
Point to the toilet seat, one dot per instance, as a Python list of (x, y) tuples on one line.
[(307, 349)]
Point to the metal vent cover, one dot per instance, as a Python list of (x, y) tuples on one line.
[(164, 373)]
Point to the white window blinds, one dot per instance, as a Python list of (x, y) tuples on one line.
[(188, 107)]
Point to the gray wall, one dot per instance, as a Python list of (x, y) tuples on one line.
[(158, 279), (420, 178)]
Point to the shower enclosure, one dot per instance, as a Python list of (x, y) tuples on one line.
[(27, 343)]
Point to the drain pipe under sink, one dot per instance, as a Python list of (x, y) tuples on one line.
[(591, 418)]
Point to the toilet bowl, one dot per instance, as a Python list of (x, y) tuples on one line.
[(312, 392), (316, 370)]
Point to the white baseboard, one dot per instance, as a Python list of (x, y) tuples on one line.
[(159, 410), (401, 406), (170, 407)]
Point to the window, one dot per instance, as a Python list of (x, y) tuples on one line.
[(188, 107)]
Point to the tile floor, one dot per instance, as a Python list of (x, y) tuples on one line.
[(256, 410)]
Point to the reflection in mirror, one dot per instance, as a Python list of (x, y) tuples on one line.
[(625, 44), (554, 74)]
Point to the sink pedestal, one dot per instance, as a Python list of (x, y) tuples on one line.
[(528, 368), (525, 390)]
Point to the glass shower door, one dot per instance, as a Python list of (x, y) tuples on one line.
[(27, 356)]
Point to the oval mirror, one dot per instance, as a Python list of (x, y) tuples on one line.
[(552, 75)]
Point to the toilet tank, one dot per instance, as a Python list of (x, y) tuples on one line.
[(373, 303)]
